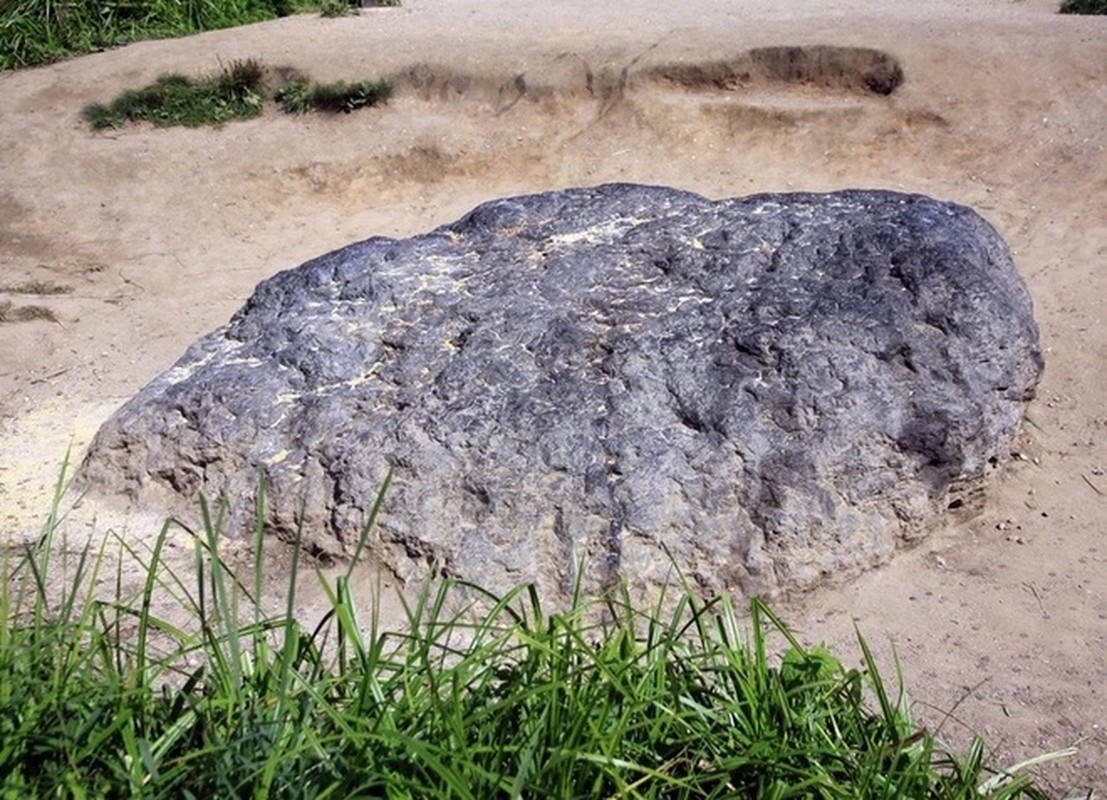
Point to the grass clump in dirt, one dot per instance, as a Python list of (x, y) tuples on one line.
[(13, 313), (498, 699), (337, 8), (236, 92), (342, 8), (1084, 7), (298, 96), (37, 288)]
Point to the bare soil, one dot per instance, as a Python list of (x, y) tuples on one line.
[(1000, 619)]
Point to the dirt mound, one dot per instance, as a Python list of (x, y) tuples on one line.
[(853, 69)]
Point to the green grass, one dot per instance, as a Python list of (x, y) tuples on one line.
[(1084, 7), (336, 8), (299, 97), (102, 698), (36, 287), (42, 31), (237, 92)]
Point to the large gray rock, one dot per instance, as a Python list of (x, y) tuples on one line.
[(761, 391)]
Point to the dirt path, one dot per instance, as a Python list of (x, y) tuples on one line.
[(161, 234)]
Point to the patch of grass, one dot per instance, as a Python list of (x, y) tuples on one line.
[(1084, 7), (37, 287), (237, 92), (242, 80), (284, 8), (342, 8), (337, 8), (348, 97), (298, 97), (14, 313), (294, 96), (101, 697), (42, 31)]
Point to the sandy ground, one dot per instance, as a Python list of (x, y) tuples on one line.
[(161, 235)]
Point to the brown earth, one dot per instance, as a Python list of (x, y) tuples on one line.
[(162, 233)]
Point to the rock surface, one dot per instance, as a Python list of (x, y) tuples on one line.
[(762, 391)]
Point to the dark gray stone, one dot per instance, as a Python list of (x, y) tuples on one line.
[(762, 391)]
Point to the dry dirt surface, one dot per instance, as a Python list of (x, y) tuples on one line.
[(1000, 618)]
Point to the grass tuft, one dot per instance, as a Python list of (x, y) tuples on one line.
[(242, 80), (298, 97), (13, 313), (37, 287), (337, 8), (295, 96), (1084, 7), (487, 698), (236, 92)]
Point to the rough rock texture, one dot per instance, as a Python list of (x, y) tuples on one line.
[(761, 390)]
